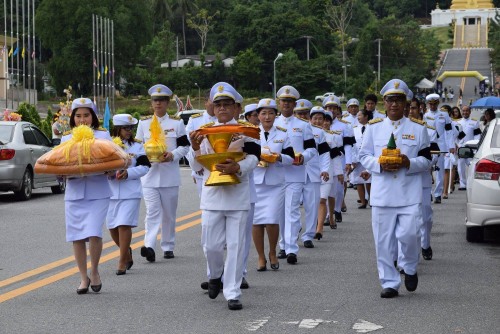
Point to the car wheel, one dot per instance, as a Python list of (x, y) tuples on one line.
[(60, 189), (474, 234), (26, 188)]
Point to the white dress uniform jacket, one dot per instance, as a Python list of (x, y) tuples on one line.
[(321, 160), (347, 135)]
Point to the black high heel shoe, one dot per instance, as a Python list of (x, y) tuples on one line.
[(318, 236), (84, 290), (275, 266), (333, 226), (131, 262), (121, 272), (96, 288), (263, 268)]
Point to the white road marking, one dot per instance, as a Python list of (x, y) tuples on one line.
[(309, 323), (256, 324), (363, 326)]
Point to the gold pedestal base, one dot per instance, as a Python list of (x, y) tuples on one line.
[(210, 160)]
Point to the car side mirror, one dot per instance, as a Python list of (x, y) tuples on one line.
[(465, 152), (55, 142)]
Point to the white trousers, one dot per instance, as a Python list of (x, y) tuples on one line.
[(311, 195), (439, 183), (219, 228), (390, 226), (161, 209), (462, 171), (199, 184), (290, 226), (248, 239), (425, 230)]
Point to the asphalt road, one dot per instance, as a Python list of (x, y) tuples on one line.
[(334, 287)]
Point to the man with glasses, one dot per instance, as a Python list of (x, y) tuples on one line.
[(161, 183), (442, 122), (396, 188), (304, 146)]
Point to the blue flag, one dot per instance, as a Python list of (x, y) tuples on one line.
[(16, 51), (107, 115)]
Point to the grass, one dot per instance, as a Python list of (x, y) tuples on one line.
[(441, 33)]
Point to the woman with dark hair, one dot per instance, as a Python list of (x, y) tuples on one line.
[(455, 113), (125, 202), (251, 114), (450, 159), (86, 203), (359, 174), (489, 114)]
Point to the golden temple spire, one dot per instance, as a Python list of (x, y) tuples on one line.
[(471, 4)]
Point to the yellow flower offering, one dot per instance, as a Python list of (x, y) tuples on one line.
[(155, 147), (391, 154)]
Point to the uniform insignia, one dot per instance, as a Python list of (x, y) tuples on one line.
[(396, 85), (302, 119), (297, 130), (375, 120), (410, 137), (287, 91), (82, 101), (279, 141), (474, 119), (430, 127), (302, 103), (417, 121), (280, 128), (334, 132), (220, 88), (138, 141), (143, 118), (431, 118), (169, 130), (344, 121), (207, 125), (129, 118), (174, 117), (355, 126), (196, 115)]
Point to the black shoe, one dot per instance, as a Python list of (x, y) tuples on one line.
[(338, 216), (427, 253), (344, 209), (214, 286), (244, 284), (84, 290), (334, 226), (131, 262), (308, 244), (168, 255), (121, 272), (389, 293), (275, 266), (291, 258), (204, 285), (96, 288), (437, 200), (411, 282), (318, 236), (263, 268), (148, 253), (282, 254), (234, 304), (461, 189)]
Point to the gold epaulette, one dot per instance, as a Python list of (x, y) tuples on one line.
[(174, 117), (375, 120), (414, 120), (456, 119), (196, 115), (345, 115), (143, 118), (302, 119), (333, 132), (66, 133), (138, 140), (344, 121), (101, 129), (474, 119), (430, 126), (207, 125), (245, 123), (381, 112), (355, 126), (280, 128)]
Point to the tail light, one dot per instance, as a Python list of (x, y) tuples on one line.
[(7, 154), (487, 170)]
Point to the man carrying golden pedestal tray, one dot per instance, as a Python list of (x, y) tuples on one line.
[(228, 152)]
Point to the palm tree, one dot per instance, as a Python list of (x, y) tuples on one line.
[(162, 11), (184, 7)]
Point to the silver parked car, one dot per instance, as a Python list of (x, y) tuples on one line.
[(21, 144), (483, 187)]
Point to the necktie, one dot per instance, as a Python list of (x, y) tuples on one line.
[(266, 134), (362, 129)]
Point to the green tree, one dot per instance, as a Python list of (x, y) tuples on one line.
[(494, 41), (183, 8), (247, 69), (202, 23)]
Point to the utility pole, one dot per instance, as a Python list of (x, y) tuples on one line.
[(379, 55), (307, 38)]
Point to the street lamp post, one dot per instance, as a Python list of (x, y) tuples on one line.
[(345, 76), (199, 95), (274, 70)]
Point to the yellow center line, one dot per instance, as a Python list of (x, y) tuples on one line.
[(69, 272), (69, 259), (466, 66)]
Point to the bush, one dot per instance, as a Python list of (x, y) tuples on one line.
[(30, 114), (46, 128), (133, 110)]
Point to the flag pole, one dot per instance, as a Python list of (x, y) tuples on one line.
[(24, 65), (12, 48), (29, 37), (93, 56), (5, 52), (113, 66), (17, 55), (34, 59)]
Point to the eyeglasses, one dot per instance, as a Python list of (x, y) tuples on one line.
[(394, 101), (223, 104), (128, 128)]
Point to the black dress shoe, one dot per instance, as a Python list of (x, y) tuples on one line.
[(83, 291), (168, 255), (244, 284), (389, 293), (121, 272), (427, 253), (291, 258), (282, 254), (204, 285), (461, 189), (437, 200), (344, 209), (308, 244), (411, 282), (148, 253), (131, 262), (234, 304), (338, 216), (318, 236), (362, 206), (214, 286)]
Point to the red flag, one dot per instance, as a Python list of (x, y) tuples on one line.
[(189, 106), (95, 63), (180, 105)]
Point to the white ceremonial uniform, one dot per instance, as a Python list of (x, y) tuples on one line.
[(86, 201), (396, 196), (311, 194), (161, 184), (224, 218), (356, 173), (449, 159), (334, 140), (126, 195), (300, 133), (470, 131), (353, 120), (193, 124), (442, 122), (270, 181)]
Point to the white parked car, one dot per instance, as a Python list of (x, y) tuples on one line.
[(483, 185), (320, 98)]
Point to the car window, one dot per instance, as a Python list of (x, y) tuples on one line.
[(483, 134), (495, 139), (6, 132), (40, 137), (29, 137)]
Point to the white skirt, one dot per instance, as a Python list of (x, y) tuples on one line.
[(85, 218), (123, 212), (325, 189), (270, 204), (449, 161)]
